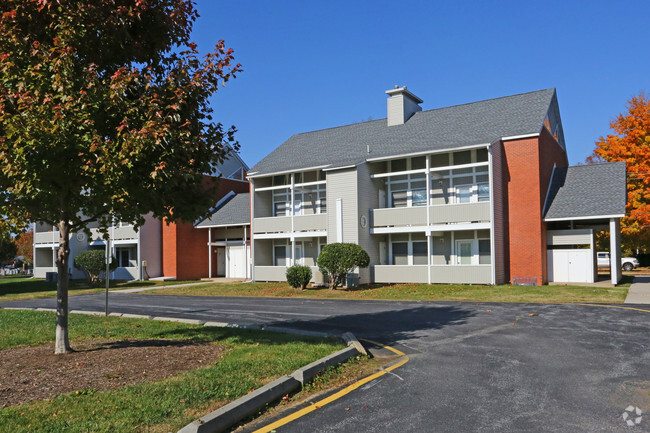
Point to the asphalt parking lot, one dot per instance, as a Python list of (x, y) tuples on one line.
[(472, 367)]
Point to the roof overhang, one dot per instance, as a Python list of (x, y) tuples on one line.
[(428, 152), (588, 217), (257, 174)]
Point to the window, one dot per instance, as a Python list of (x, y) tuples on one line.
[(280, 255), (400, 253), (420, 253), (281, 202), (125, 257), (419, 197), (484, 257), (483, 192), (463, 193), (399, 198)]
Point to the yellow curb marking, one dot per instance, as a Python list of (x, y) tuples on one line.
[(336, 396), (615, 306)]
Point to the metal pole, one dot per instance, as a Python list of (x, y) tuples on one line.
[(108, 267)]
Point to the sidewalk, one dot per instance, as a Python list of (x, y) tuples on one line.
[(639, 291), (198, 283)]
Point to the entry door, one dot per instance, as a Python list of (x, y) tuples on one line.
[(570, 266), (236, 261), (221, 262), (464, 252), (298, 254)]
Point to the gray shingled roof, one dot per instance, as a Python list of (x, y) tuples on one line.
[(587, 191), (235, 211), (443, 128)]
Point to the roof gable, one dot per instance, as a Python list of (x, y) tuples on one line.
[(464, 125)]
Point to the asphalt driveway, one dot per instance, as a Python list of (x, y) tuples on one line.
[(473, 367)]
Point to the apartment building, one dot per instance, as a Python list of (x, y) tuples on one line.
[(158, 249), (450, 195)]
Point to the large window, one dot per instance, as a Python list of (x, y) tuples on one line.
[(309, 194), (409, 249), (407, 190), (280, 256), (461, 185)]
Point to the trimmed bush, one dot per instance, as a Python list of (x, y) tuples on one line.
[(337, 260), (93, 263), (298, 276)]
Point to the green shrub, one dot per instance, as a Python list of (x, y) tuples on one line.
[(337, 260), (93, 262), (298, 276)]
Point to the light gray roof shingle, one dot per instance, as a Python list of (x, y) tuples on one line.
[(476, 123), (235, 211), (587, 191)]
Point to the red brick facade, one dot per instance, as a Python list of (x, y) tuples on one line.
[(184, 248), (528, 168)]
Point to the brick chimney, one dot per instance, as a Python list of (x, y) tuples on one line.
[(401, 105)]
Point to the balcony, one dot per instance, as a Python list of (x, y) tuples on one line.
[(272, 224), (46, 238), (440, 214), (316, 222), (126, 233), (447, 274)]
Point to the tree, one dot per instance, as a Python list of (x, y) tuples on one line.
[(25, 245), (7, 248), (105, 115), (630, 142), (93, 263), (337, 260), (298, 276)]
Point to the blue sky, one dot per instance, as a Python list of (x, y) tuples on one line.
[(314, 65)]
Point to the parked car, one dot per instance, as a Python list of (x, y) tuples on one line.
[(627, 263)]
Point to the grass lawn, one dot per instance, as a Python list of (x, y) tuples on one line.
[(414, 292), (251, 359), (14, 288)]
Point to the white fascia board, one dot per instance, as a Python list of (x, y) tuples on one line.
[(214, 226), (578, 218), (315, 234), (285, 235), (50, 245), (298, 170), (344, 167), (431, 228), (428, 152), (133, 241), (518, 137)]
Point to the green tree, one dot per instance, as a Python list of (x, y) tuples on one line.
[(298, 276), (8, 248), (93, 263), (104, 114), (337, 260)]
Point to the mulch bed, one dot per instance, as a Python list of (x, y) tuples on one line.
[(35, 373)]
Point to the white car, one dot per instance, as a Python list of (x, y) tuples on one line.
[(627, 263)]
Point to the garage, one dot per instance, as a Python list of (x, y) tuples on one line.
[(571, 256)]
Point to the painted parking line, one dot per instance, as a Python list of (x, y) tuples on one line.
[(615, 306), (319, 404)]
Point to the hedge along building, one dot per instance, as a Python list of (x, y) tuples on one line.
[(450, 195)]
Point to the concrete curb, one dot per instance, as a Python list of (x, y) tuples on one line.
[(233, 412), (174, 319), (351, 340), (306, 373)]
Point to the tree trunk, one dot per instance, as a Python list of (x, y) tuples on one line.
[(62, 345)]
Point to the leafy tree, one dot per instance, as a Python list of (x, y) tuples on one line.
[(25, 244), (7, 248), (337, 260), (630, 142), (299, 276), (93, 263), (104, 113)]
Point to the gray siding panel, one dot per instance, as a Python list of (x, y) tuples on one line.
[(568, 237), (480, 274), (342, 184), (368, 198), (400, 274)]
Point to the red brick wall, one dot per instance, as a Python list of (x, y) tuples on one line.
[(185, 249), (529, 164)]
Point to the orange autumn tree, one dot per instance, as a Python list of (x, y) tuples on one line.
[(630, 142), (24, 242)]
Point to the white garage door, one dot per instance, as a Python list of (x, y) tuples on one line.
[(236, 257), (570, 266)]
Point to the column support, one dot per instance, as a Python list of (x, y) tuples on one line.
[(209, 252), (615, 250)]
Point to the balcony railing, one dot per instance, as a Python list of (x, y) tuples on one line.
[(440, 214), (46, 237), (126, 233), (465, 274), (272, 225), (310, 222)]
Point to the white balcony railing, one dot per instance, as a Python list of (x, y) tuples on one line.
[(439, 214)]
